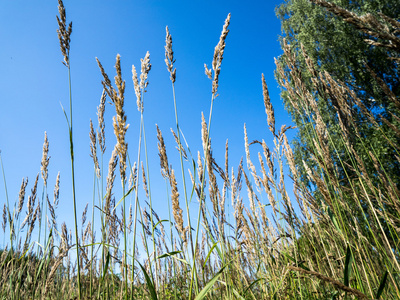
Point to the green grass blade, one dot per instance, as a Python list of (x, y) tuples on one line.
[(299, 264), (172, 254), (382, 285), (209, 253), (149, 283), (251, 284), (347, 267), (123, 197), (237, 294), (106, 265), (209, 285)]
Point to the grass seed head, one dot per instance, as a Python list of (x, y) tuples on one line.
[(64, 33), (218, 55), (101, 136), (268, 106), (169, 56), (45, 159)]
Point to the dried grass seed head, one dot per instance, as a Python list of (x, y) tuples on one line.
[(179, 145), (101, 136), (144, 181), (57, 190), (218, 55), (106, 82), (268, 106), (177, 211), (45, 159), (21, 196), (169, 56), (64, 33), (93, 149), (110, 179), (4, 221), (145, 69), (136, 86), (162, 153), (132, 176), (119, 121)]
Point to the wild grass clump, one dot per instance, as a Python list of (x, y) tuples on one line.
[(336, 239)]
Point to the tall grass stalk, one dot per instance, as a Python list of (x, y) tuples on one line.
[(64, 36)]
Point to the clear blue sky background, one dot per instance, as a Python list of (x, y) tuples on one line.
[(34, 82)]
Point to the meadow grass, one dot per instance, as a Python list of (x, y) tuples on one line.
[(337, 239)]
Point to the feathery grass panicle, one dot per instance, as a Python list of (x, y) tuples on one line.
[(110, 181), (52, 214), (140, 87), (84, 213), (169, 56), (31, 203), (250, 164), (101, 135), (57, 190), (213, 187), (176, 209), (21, 196), (136, 86), (268, 106), (144, 181), (119, 121), (204, 134), (132, 176), (162, 153), (218, 56), (45, 159), (179, 146), (4, 221), (145, 69), (32, 223), (64, 33), (93, 149), (106, 82), (130, 220)]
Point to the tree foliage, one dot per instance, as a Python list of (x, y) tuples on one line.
[(340, 38)]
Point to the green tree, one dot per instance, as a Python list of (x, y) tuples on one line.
[(338, 46)]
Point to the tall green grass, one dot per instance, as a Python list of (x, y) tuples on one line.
[(317, 245)]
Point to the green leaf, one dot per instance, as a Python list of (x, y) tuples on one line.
[(238, 296), (119, 202), (149, 283), (66, 117), (251, 284), (334, 221), (209, 285), (381, 285), (347, 266), (298, 263), (209, 253), (106, 265), (154, 227), (172, 254)]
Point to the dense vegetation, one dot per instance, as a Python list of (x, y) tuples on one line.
[(338, 237)]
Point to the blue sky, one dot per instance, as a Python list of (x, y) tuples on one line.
[(34, 82)]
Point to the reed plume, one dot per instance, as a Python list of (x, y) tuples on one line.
[(45, 159), (93, 149), (101, 136), (169, 56), (218, 56), (64, 33)]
